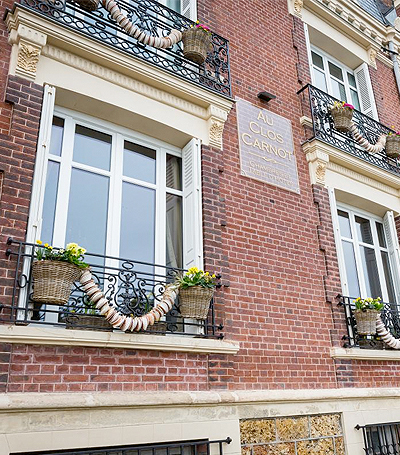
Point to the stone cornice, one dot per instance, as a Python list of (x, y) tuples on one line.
[(365, 354)]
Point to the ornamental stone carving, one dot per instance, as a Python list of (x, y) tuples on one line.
[(298, 6), (28, 57), (372, 53), (216, 130), (320, 172)]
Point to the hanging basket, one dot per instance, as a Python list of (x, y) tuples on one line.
[(195, 302), (392, 147), (196, 44), (88, 5), (342, 117), (87, 322), (53, 280), (366, 321)]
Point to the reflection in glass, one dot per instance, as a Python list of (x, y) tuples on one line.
[(139, 162), (174, 231), (317, 60), (137, 223), (57, 131), (354, 99), (381, 234), (352, 80), (49, 203), (364, 232), (87, 211), (344, 224), (174, 172), (370, 268), (351, 269), (92, 148), (335, 71), (175, 5), (319, 80), (338, 90), (388, 277)]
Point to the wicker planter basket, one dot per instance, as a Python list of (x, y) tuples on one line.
[(88, 5), (342, 118), (53, 280), (195, 302), (88, 322), (392, 147), (196, 44), (366, 321)]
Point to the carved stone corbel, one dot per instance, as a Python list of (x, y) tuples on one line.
[(317, 163), (298, 7), (372, 53), (216, 122)]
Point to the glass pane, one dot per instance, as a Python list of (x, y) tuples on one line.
[(139, 162), (352, 80), (174, 231), (49, 203), (175, 5), (174, 172), (335, 71), (92, 148), (338, 90), (354, 99), (57, 131), (381, 234), (351, 269), (87, 211), (344, 223), (370, 269), (364, 233), (137, 223), (317, 60), (319, 80), (388, 277)]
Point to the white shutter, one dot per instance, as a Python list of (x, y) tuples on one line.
[(365, 92), (393, 249), (39, 180), (339, 251), (192, 213), (189, 9)]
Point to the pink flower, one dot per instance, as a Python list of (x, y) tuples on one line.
[(350, 106)]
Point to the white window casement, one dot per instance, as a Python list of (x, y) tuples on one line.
[(368, 253), (187, 8), (343, 83)]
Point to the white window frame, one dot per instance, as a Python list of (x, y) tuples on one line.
[(353, 211)]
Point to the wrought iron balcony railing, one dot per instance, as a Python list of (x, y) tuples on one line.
[(153, 18), (324, 130), (381, 438), (130, 286), (390, 315)]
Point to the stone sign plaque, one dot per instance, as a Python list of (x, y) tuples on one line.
[(266, 147)]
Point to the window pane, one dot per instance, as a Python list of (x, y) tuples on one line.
[(338, 90), (87, 211), (139, 162), (174, 231), (174, 172), (320, 81), (335, 71), (317, 60), (354, 99), (352, 80), (381, 234), (175, 5), (49, 203), (92, 148), (351, 269), (364, 233), (388, 277), (344, 223), (57, 131), (370, 269), (137, 223)]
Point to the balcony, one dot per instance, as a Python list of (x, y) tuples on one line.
[(131, 287), (151, 17), (318, 104), (390, 315)]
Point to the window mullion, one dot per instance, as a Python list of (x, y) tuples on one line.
[(378, 255), (160, 219), (357, 254)]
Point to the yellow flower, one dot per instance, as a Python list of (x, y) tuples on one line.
[(207, 273), (46, 245), (213, 275), (71, 246), (50, 247), (39, 242)]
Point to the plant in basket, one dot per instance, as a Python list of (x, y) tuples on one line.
[(366, 313), (54, 271), (196, 289), (392, 147), (342, 114), (196, 42), (84, 316)]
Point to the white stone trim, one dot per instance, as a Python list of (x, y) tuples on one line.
[(61, 337), (365, 354)]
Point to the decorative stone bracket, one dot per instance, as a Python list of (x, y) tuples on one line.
[(317, 162), (29, 44), (216, 122)]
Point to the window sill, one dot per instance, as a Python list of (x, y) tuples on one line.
[(59, 336), (365, 354)]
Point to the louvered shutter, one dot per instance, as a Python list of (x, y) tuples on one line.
[(365, 92), (39, 180), (189, 9), (192, 213), (393, 250)]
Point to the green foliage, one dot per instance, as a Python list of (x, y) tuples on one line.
[(368, 304), (73, 253), (196, 277)]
